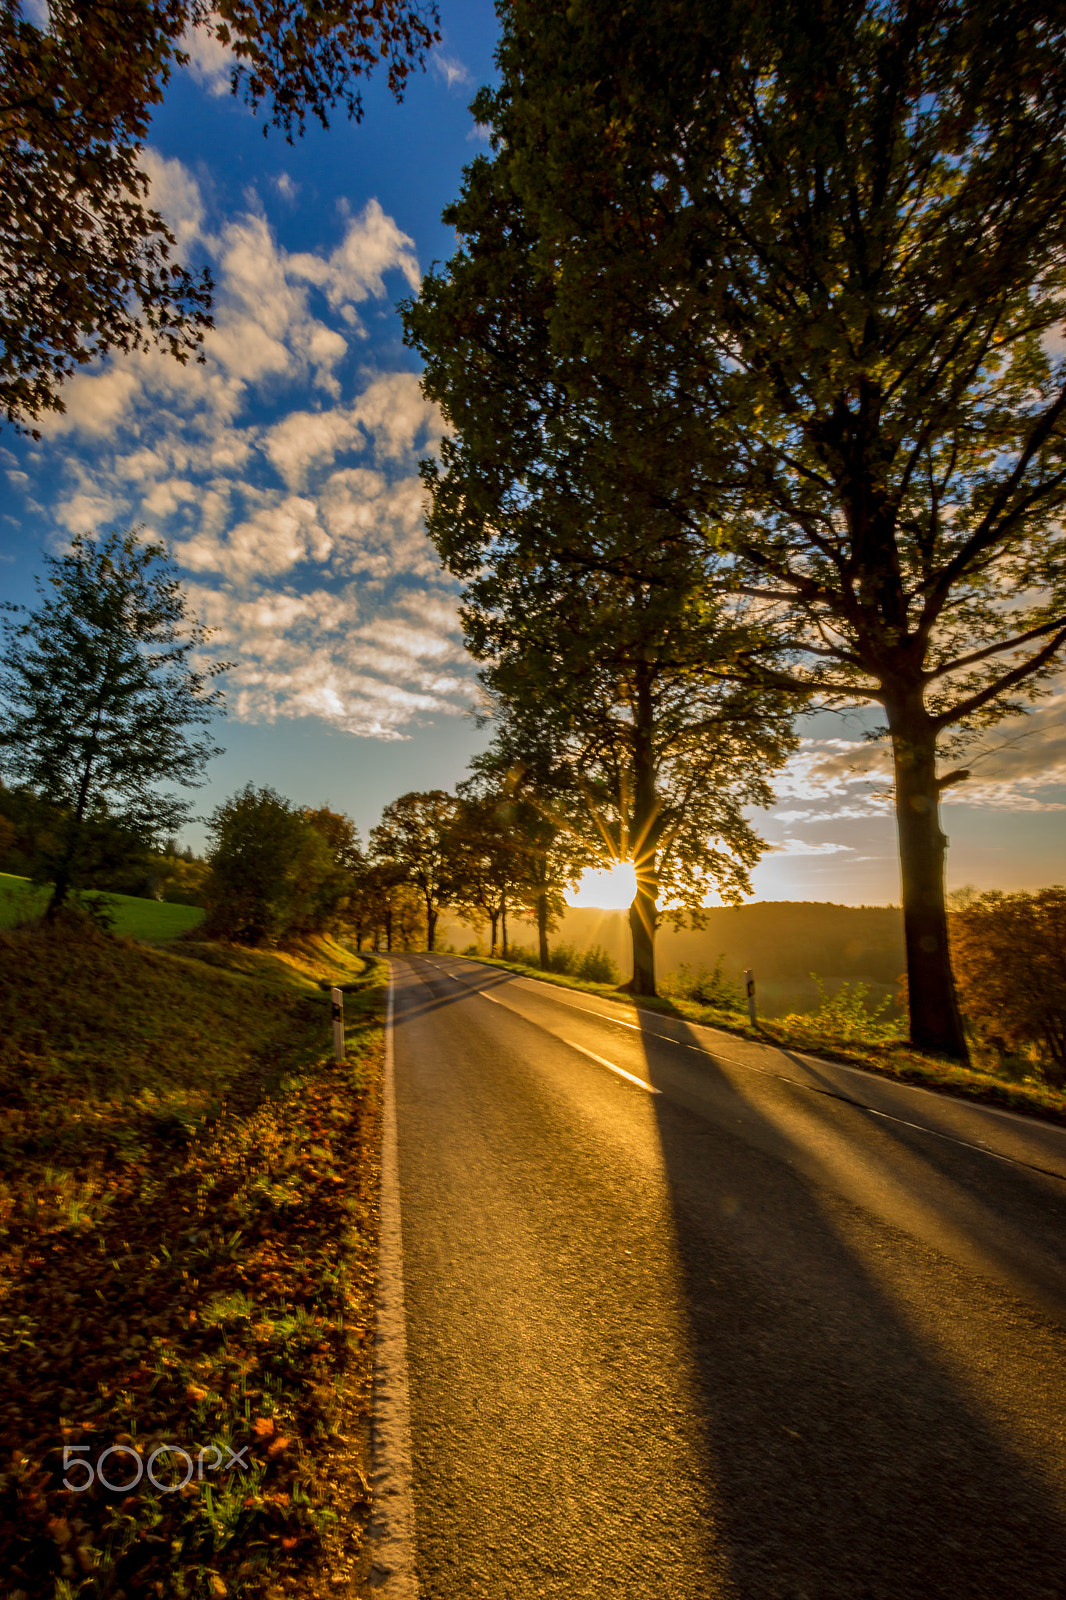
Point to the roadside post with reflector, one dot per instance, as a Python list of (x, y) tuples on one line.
[(337, 1008)]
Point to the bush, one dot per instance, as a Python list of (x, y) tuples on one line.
[(596, 966), (846, 1015), (703, 987), (563, 958), (593, 965), (523, 955), (1009, 952)]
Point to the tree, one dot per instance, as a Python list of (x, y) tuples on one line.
[(97, 692), (330, 893), (276, 870), (85, 263), (485, 849), (1010, 954), (414, 835), (382, 901), (833, 237), (544, 809), (664, 755), (590, 606)]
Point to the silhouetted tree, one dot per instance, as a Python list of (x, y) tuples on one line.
[(803, 266)]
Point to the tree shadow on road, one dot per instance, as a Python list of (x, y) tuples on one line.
[(877, 1421)]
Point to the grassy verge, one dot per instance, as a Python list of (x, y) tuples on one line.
[(891, 1058), (153, 920), (187, 1226)]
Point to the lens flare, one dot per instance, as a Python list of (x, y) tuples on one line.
[(606, 888)]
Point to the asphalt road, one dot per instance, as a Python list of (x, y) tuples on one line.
[(737, 1324)]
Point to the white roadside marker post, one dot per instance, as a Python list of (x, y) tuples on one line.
[(337, 1008), (749, 984)]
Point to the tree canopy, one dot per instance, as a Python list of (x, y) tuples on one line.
[(277, 870), (85, 262)]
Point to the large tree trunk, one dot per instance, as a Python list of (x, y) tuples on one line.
[(388, 931), (642, 914), (644, 841), (542, 930), (431, 923), (935, 1023), (503, 927), (494, 920)]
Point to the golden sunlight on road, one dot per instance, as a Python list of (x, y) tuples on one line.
[(608, 888)]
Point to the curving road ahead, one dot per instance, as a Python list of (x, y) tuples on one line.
[(689, 1317)]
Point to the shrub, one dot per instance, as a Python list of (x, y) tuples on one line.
[(563, 959), (705, 988), (846, 1015), (523, 954), (1009, 953), (596, 966)]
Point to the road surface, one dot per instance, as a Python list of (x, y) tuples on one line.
[(689, 1317)]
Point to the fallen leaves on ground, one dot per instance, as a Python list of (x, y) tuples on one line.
[(189, 1303)]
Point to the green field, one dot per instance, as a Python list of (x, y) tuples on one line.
[(153, 920)]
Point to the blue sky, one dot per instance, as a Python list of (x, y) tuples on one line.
[(284, 472)]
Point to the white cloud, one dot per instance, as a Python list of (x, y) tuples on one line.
[(801, 847), (354, 271), (175, 193), (309, 655), (84, 512), (285, 186), (1019, 765), (210, 61), (266, 334), (280, 535), (395, 415), (284, 476), (454, 73), (305, 439)]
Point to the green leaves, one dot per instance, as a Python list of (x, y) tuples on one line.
[(97, 689), (276, 870)]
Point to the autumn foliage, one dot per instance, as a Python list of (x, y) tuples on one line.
[(186, 1217), (1010, 958)]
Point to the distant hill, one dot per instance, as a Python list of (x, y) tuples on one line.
[(783, 941)]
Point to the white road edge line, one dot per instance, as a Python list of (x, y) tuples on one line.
[(603, 1061), (392, 1526)]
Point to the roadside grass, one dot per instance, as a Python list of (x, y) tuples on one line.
[(815, 1035), (187, 1226), (155, 921)]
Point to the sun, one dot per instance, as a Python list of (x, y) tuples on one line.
[(606, 888)]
